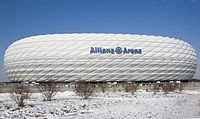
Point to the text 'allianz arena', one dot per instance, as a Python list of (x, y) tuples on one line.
[(99, 57)]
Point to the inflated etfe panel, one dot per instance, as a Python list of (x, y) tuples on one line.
[(99, 57)]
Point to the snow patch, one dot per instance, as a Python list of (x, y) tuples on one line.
[(116, 105)]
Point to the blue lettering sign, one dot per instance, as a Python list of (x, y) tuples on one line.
[(117, 50)]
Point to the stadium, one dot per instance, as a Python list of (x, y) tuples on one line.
[(99, 58)]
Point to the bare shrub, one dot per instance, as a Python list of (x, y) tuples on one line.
[(126, 86), (180, 87), (133, 88), (147, 89), (19, 94), (84, 89), (170, 87), (2, 89), (156, 88), (104, 87), (130, 87), (48, 90), (114, 89), (165, 89)]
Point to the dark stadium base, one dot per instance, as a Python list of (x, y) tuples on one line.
[(109, 83), (69, 86)]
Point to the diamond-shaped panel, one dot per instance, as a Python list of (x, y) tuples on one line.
[(66, 57)]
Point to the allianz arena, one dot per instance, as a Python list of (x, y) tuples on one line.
[(99, 58)]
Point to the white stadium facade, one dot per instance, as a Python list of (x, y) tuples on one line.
[(99, 58)]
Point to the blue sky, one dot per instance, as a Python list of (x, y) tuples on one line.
[(172, 18)]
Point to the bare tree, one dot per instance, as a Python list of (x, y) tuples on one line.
[(48, 90), (19, 93), (84, 89)]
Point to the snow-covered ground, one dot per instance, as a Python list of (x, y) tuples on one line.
[(108, 105)]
